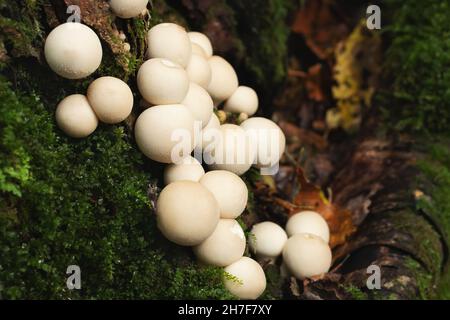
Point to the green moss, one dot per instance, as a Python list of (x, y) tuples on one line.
[(355, 292), (435, 182), (416, 65)]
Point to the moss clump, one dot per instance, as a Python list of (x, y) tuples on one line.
[(82, 202), (416, 66)]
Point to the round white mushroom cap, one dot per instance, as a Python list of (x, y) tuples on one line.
[(73, 50), (308, 222), (224, 80), (307, 255), (199, 102), (199, 70), (169, 41), (244, 100), (232, 150), (245, 279), (229, 190), (187, 213), (267, 140), (189, 169), (111, 99), (267, 239), (224, 246), (128, 8), (75, 116), (161, 81), (203, 41), (165, 133)]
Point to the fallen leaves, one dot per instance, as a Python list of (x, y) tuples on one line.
[(311, 197)]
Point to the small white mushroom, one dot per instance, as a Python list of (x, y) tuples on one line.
[(169, 41), (224, 80), (233, 150), (75, 116), (245, 279), (308, 222), (224, 246), (111, 99), (208, 134), (267, 140), (165, 133), (306, 256), (128, 8), (199, 102), (161, 81), (73, 50), (199, 70), (267, 240), (229, 190), (187, 213), (189, 169), (244, 100), (203, 41)]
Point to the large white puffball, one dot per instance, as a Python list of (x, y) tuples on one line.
[(308, 222), (169, 41), (203, 41), (267, 239), (244, 100), (187, 213), (199, 102), (161, 81), (199, 70), (111, 99), (75, 116), (306, 256), (245, 279), (225, 246), (188, 169), (267, 140), (73, 50), (233, 151), (165, 133), (224, 80), (128, 8), (230, 191)]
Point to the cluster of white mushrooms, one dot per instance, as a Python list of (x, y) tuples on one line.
[(181, 83)]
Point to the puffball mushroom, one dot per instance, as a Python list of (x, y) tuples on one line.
[(267, 240), (208, 135), (161, 81), (224, 246), (169, 41), (229, 190), (111, 99), (187, 213), (188, 169), (199, 70), (128, 8), (73, 50), (306, 255), (199, 102), (308, 222), (75, 116), (156, 132), (233, 150), (245, 279), (201, 40), (267, 140), (244, 100), (224, 80)]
